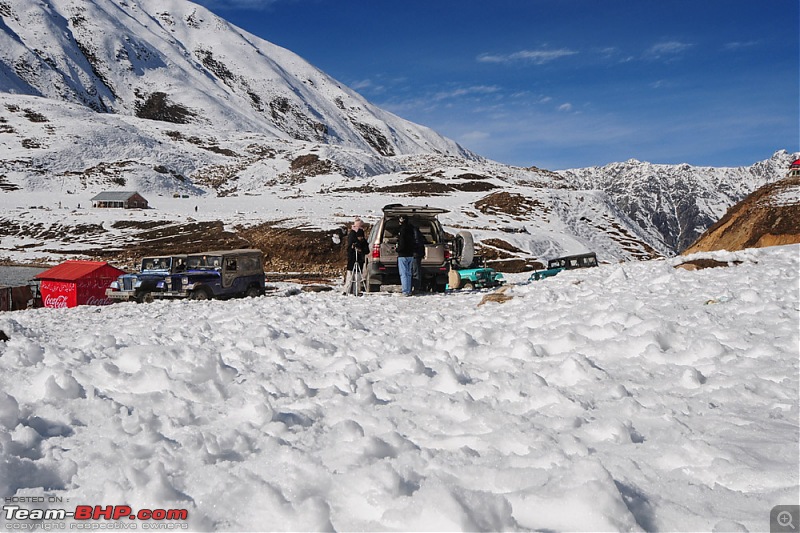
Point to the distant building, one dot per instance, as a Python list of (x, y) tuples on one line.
[(120, 200), (794, 169), (77, 283)]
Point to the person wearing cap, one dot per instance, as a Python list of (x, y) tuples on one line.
[(405, 254)]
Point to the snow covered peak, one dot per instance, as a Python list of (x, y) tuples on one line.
[(175, 61)]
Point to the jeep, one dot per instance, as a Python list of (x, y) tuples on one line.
[(569, 262), (217, 274), (477, 276), (140, 286), (381, 264)]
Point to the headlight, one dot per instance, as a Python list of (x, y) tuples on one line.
[(184, 280), (114, 286), (137, 284)]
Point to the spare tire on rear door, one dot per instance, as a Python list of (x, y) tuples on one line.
[(464, 251)]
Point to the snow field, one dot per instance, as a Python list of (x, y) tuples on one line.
[(628, 397)]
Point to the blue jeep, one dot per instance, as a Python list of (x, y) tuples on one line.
[(569, 262), (217, 274), (140, 286)]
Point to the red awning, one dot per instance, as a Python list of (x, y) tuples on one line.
[(795, 164), (72, 270)]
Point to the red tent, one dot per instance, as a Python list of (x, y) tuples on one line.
[(77, 283)]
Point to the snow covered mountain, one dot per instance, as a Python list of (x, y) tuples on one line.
[(175, 61), (237, 141), (676, 203)]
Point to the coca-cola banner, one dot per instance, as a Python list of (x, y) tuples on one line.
[(59, 294), (92, 291)]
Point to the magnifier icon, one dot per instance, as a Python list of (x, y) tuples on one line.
[(785, 519)]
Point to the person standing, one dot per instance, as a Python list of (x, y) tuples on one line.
[(419, 255), (357, 246), (405, 254), (357, 249)]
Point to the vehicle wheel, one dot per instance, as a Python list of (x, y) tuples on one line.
[(468, 286), (200, 294), (441, 287), (465, 249), (252, 292), (144, 297)]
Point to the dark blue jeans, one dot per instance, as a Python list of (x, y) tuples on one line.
[(405, 266)]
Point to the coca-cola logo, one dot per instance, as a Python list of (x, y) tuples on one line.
[(55, 302), (93, 300)]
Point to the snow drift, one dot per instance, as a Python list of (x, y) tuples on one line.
[(631, 396)]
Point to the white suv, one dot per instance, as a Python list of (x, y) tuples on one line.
[(381, 265)]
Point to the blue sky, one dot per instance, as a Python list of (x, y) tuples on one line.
[(562, 83)]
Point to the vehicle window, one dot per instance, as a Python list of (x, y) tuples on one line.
[(230, 265), (390, 230), (249, 263), (205, 261), (426, 228)]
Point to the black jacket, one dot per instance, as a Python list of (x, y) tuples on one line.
[(355, 244), (406, 244)]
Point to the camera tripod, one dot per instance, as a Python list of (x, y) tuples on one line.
[(355, 283)]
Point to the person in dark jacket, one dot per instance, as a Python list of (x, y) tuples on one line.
[(405, 254), (357, 245), (419, 254)]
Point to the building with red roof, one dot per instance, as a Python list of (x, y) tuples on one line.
[(794, 168), (74, 283)]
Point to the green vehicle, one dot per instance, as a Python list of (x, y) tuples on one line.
[(475, 278), (569, 262), (467, 270)]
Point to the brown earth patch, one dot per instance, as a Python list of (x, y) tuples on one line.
[(514, 266), (418, 177), (510, 204), (700, 264), (503, 245), (297, 249), (310, 165), (474, 186), (418, 189)]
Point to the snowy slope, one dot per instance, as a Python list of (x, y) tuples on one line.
[(174, 60), (634, 397)]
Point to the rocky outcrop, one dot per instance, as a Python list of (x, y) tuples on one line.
[(770, 216)]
